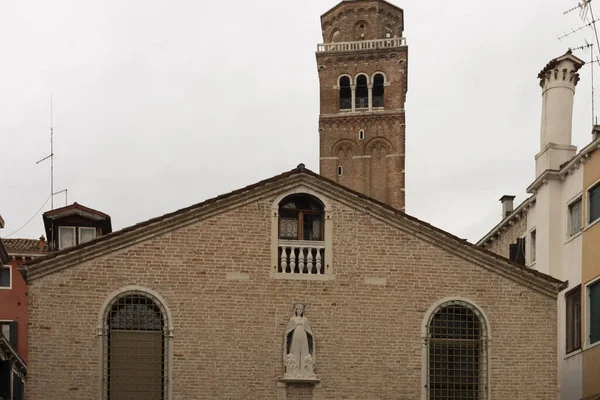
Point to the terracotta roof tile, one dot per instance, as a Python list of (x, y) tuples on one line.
[(22, 245)]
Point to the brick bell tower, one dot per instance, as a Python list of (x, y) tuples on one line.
[(362, 68)]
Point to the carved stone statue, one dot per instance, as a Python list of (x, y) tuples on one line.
[(299, 351)]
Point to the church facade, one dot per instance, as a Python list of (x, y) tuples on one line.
[(303, 285)]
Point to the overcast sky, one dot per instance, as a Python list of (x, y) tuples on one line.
[(159, 105)]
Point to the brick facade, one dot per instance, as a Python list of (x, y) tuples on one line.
[(227, 334)]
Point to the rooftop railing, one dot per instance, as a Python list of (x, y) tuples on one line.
[(361, 45)]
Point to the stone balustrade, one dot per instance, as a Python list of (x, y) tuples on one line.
[(361, 45), (301, 257)]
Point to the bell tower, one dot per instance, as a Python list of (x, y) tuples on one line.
[(362, 66)]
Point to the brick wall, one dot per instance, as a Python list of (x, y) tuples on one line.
[(227, 340)]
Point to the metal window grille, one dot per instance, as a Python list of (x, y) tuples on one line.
[(457, 353), (135, 338)]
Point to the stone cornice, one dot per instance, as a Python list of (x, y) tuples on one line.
[(580, 158), (544, 178), (361, 115)]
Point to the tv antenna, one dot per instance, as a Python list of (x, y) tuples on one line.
[(51, 157)]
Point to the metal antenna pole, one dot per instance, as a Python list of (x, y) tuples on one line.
[(592, 68), (51, 156)]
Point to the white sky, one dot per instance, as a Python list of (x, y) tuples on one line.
[(162, 104)]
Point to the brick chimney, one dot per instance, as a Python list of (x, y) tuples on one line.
[(507, 205), (42, 243)]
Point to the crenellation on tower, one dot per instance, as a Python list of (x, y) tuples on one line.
[(362, 68)]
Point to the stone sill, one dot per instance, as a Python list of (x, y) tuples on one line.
[(310, 381), (303, 277)]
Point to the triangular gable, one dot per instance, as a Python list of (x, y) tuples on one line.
[(300, 175)]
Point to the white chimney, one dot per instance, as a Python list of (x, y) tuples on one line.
[(558, 80), (507, 205)]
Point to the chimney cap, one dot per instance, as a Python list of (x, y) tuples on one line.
[(554, 62), (507, 197)]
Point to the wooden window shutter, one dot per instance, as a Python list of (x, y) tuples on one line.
[(595, 312), (14, 330), (517, 251)]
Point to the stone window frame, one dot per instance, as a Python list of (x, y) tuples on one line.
[(425, 346), (327, 229), (10, 277), (586, 343), (570, 232), (588, 223), (167, 317)]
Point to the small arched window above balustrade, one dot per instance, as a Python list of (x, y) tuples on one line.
[(301, 237), (301, 218)]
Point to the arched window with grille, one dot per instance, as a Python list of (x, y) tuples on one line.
[(362, 92), (135, 346), (345, 93), (457, 356), (378, 90)]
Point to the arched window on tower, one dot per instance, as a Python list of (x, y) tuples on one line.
[(345, 93), (135, 348), (301, 235), (362, 92), (378, 90), (457, 353)]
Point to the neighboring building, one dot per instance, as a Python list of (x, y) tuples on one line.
[(13, 301), (556, 230), (13, 370), (363, 75), (66, 226), (194, 304)]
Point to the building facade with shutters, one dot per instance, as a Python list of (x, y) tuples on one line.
[(556, 229), (13, 371)]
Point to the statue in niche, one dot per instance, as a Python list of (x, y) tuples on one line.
[(299, 354)]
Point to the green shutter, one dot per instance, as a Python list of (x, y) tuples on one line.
[(595, 313)]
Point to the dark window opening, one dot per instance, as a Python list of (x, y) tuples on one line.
[(340, 171), (345, 93), (378, 90), (594, 291), (4, 276), (594, 203), (573, 309), (362, 92), (301, 218), (361, 135), (457, 359), (517, 251)]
